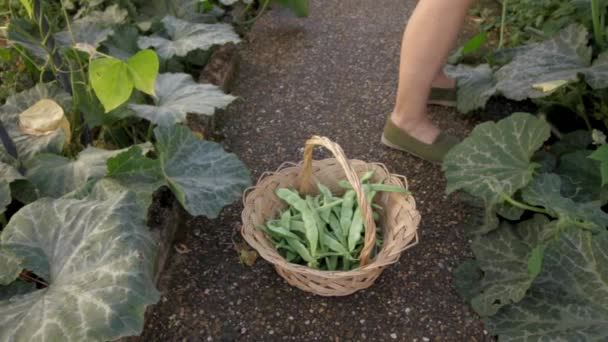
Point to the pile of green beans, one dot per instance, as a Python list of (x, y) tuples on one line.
[(325, 232)]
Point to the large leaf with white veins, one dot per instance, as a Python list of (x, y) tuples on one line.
[(55, 175), (10, 266), (185, 36), (495, 158), (177, 95), (476, 85), (97, 257), (503, 258), (561, 58), (93, 29), (545, 191), (203, 177), (30, 145), (568, 301)]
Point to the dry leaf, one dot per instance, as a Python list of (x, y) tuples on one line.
[(547, 87), (182, 248), (44, 117), (247, 255)]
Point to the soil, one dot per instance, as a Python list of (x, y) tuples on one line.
[(333, 74)]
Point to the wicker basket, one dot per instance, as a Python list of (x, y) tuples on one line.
[(399, 218)]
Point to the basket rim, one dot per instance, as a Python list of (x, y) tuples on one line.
[(374, 264)]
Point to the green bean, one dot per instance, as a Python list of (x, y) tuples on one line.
[(335, 246), (303, 252), (282, 232), (332, 263), (327, 195), (356, 227), (312, 232), (367, 176), (285, 219), (376, 187), (336, 228), (346, 215)]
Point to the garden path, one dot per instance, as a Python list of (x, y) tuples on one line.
[(332, 74)]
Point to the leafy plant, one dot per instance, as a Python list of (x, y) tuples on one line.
[(324, 232), (536, 71), (82, 153), (543, 222)]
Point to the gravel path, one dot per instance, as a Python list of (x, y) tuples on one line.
[(331, 74)]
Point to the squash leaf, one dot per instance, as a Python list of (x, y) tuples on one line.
[(97, 257), (177, 95), (184, 36)]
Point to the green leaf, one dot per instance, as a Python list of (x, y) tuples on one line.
[(571, 142), (133, 170), (299, 7), (177, 95), (30, 145), (8, 175), (55, 175), (97, 257), (476, 85), (29, 7), (185, 36), (112, 15), (143, 68), (10, 266), (25, 34), (538, 230), (535, 260), (545, 191), (596, 76), (203, 177), (83, 33), (503, 258), (16, 288), (122, 43), (562, 58), (581, 178), (495, 158), (110, 80), (5, 195), (467, 279), (601, 154), (559, 58), (569, 300)]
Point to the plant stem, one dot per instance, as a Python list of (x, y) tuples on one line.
[(503, 21), (150, 132), (597, 17), (260, 13), (523, 206)]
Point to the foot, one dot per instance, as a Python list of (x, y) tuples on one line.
[(423, 130), (423, 140)]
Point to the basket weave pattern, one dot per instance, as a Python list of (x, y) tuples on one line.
[(399, 218)]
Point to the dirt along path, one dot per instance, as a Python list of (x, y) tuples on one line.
[(332, 74)]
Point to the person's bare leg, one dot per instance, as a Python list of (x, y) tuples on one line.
[(430, 34)]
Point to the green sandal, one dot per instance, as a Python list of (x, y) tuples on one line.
[(396, 138), (446, 97)]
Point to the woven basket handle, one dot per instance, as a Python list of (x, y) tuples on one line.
[(353, 178)]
